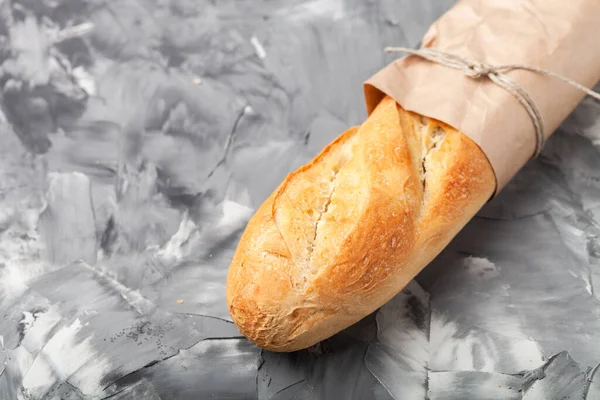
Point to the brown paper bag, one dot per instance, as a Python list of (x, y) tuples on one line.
[(559, 35)]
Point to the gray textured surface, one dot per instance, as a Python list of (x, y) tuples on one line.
[(137, 138)]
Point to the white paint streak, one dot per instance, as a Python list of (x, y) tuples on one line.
[(20, 362), (21, 251), (63, 359), (173, 251), (234, 214), (573, 274), (258, 48), (133, 297), (396, 329), (38, 334), (459, 348), (528, 352), (481, 267), (85, 80), (72, 32), (309, 10), (27, 321), (31, 46), (588, 284)]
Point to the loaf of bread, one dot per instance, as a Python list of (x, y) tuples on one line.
[(345, 233)]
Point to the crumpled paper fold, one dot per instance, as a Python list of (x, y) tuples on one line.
[(558, 35)]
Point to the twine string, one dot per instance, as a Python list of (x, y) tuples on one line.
[(496, 74)]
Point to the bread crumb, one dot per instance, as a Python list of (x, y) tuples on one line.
[(197, 80), (179, 301)]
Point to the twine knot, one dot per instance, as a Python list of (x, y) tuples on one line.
[(478, 70)]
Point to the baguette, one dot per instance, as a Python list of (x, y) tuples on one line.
[(345, 233)]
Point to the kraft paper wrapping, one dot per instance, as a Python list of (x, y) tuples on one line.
[(562, 36)]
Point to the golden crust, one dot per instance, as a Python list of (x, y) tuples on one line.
[(345, 233)]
